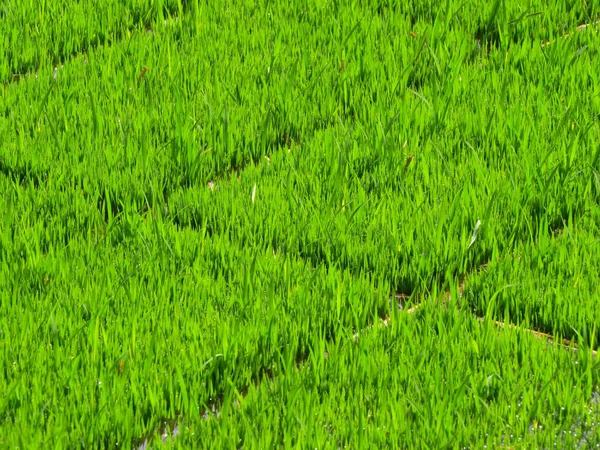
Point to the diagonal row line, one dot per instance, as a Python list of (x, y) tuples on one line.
[(568, 344), (32, 70), (583, 27)]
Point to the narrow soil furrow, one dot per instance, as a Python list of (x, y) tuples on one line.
[(563, 343), (583, 27), (447, 296), (118, 37)]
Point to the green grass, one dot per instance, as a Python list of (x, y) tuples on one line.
[(211, 204)]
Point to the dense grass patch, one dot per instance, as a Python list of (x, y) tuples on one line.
[(214, 206)]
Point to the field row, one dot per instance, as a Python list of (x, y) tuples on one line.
[(38, 34)]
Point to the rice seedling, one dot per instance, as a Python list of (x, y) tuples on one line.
[(313, 224)]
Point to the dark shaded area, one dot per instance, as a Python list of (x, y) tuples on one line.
[(23, 175)]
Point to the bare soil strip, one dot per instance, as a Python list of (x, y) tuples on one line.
[(583, 27), (447, 296)]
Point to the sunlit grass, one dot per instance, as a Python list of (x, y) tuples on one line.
[(215, 206)]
